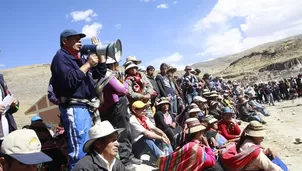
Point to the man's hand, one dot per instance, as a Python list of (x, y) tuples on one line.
[(96, 41), (166, 140), (14, 102), (92, 60), (1, 109)]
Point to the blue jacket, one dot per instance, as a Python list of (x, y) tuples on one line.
[(69, 81)]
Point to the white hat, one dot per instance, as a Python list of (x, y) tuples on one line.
[(255, 129), (24, 145), (111, 60), (199, 99), (98, 131), (194, 125), (133, 59), (162, 100), (129, 65), (194, 109)]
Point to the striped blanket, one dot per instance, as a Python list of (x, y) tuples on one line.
[(190, 157), (234, 161)]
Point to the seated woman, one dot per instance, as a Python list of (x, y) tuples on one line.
[(145, 135), (228, 127), (192, 155), (248, 154), (246, 113), (215, 139), (164, 120)]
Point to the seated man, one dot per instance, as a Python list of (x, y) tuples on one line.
[(101, 149), (145, 134), (21, 150)]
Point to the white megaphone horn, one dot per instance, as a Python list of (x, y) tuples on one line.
[(113, 50)]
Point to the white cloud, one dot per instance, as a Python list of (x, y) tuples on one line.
[(2, 65), (92, 29), (248, 23), (174, 60), (174, 2), (162, 6), (83, 15), (118, 26)]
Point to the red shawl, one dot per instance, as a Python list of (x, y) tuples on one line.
[(191, 157), (232, 160)]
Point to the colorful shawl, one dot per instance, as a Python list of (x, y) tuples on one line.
[(232, 160), (190, 157)]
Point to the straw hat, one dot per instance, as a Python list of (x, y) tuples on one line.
[(194, 125), (213, 95), (171, 69), (162, 100), (199, 99), (129, 65), (194, 109), (243, 101), (255, 129), (100, 130), (211, 119), (133, 59)]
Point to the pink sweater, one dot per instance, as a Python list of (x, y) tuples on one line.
[(112, 91)]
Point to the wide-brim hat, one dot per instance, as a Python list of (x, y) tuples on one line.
[(172, 69), (243, 101), (162, 100), (129, 65), (213, 95), (227, 110), (194, 109), (139, 105), (100, 130), (210, 119), (199, 99), (133, 59), (255, 129), (194, 125)]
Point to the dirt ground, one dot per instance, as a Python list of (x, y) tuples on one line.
[(283, 127)]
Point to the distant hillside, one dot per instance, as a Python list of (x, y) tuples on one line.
[(27, 83), (273, 57)]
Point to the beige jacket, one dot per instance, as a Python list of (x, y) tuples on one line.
[(261, 162)]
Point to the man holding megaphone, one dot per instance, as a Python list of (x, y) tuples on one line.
[(73, 84)]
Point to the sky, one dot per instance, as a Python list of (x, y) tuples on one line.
[(178, 32)]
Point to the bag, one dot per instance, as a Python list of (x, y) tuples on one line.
[(100, 84)]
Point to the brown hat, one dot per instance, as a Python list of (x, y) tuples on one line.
[(171, 69), (255, 129), (194, 125)]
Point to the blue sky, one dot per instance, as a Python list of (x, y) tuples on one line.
[(178, 32), (148, 29)]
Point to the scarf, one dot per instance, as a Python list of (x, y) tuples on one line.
[(142, 121)]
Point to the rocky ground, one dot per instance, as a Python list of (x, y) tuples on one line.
[(283, 127)]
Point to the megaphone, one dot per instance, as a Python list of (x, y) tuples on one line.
[(112, 50)]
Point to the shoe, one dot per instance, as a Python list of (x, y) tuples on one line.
[(136, 161), (130, 167)]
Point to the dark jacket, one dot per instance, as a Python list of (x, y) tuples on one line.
[(69, 81), (161, 86), (9, 114), (92, 162)]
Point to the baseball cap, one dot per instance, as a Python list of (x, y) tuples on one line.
[(24, 145), (139, 104), (36, 118), (69, 32)]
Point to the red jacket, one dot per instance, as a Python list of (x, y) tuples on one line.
[(228, 130)]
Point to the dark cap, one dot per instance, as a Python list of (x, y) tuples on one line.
[(150, 67), (70, 32)]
